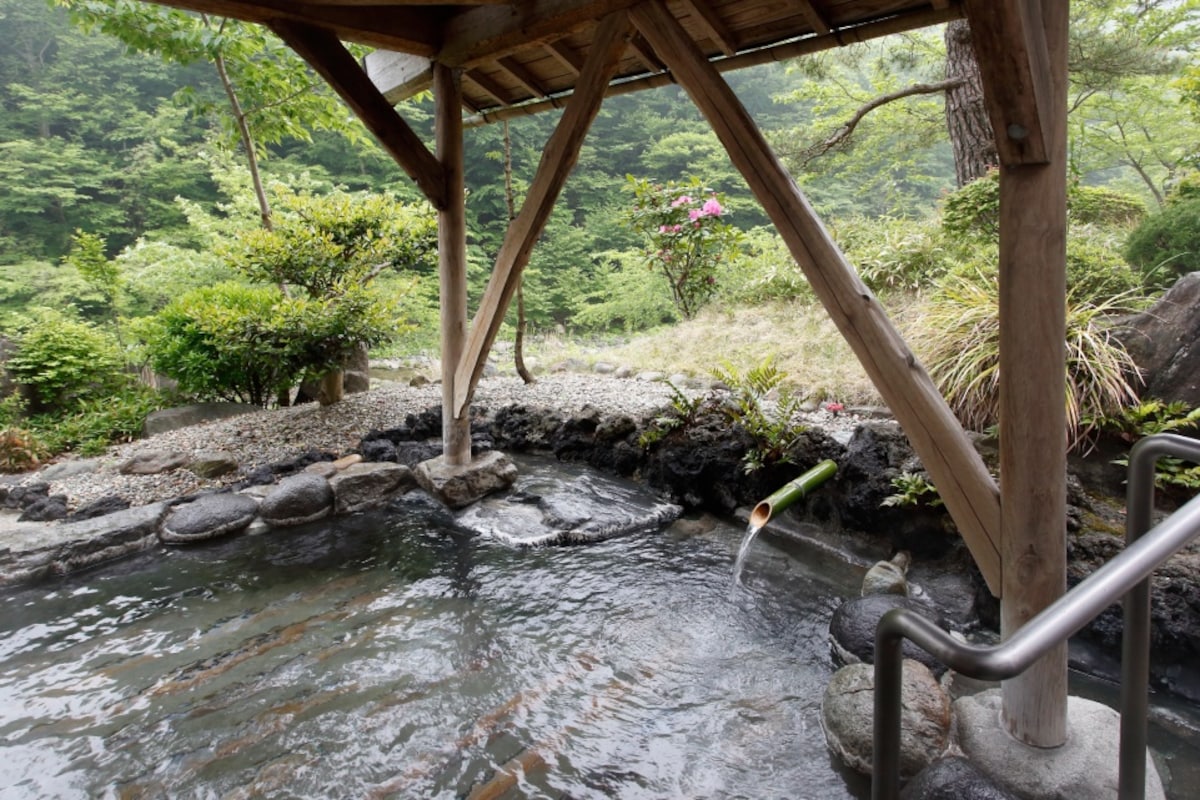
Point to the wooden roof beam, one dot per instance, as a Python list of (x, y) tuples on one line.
[(712, 24), (322, 50), (565, 56), (645, 53), (1014, 63), (488, 86), (522, 75), (962, 479), (814, 17), (411, 30), (558, 158), (487, 32)]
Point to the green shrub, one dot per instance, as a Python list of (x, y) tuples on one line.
[(1096, 269), (98, 423), (958, 337), (1097, 205), (246, 344), (630, 297), (1151, 416), (61, 358), (892, 253), (1187, 187), (765, 272), (973, 211), (1166, 245), (764, 407)]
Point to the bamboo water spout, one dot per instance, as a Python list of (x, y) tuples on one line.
[(790, 492)]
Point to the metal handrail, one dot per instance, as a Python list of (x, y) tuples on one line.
[(1128, 574)]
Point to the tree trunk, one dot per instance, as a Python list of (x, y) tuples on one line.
[(519, 343), (966, 115)]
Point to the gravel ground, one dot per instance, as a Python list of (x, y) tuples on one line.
[(269, 436)]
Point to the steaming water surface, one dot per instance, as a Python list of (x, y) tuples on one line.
[(391, 656)]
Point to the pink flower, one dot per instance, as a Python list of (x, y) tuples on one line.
[(712, 208), (682, 200), (696, 224), (834, 408), (677, 229), (695, 214), (663, 229)]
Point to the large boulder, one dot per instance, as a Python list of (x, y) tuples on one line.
[(1085, 766), (848, 711), (208, 517), (296, 500), (367, 485), (1164, 342), (852, 630), (459, 485)]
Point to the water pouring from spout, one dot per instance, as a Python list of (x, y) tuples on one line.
[(775, 503)]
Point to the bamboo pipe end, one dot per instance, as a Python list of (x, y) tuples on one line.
[(761, 514)]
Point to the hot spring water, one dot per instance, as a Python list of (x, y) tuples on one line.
[(389, 655)]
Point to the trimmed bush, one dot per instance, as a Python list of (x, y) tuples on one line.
[(1166, 246), (61, 358)]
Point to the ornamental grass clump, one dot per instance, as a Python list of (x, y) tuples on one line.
[(959, 334)]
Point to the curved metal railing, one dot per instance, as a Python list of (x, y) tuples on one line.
[(1128, 574)]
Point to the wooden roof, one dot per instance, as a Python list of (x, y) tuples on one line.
[(525, 55)]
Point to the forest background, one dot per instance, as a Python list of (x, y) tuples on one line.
[(147, 156)]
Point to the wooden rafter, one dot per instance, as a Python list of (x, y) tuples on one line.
[(645, 54), (1014, 63), (522, 76), (322, 50), (815, 18), (398, 76), (558, 158), (713, 25), (489, 86), (957, 469), (565, 56), (394, 27)]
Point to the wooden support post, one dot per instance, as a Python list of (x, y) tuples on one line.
[(452, 257), (558, 158), (957, 470), (1033, 226)]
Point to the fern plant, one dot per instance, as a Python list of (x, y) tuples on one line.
[(913, 490), (764, 407)]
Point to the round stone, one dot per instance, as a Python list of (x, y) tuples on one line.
[(208, 517)]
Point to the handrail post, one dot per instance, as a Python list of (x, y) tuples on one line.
[(1135, 636), (1127, 575)]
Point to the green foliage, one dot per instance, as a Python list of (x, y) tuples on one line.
[(682, 412), (1096, 269), (913, 490), (1148, 417), (688, 237), (629, 297), (1099, 205), (973, 211), (958, 333), (765, 272), (94, 424), (61, 358), (325, 244), (246, 344), (764, 407), (894, 253), (1166, 245), (87, 256)]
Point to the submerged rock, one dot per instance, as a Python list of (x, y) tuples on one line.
[(296, 500), (208, 517), (954, 778)]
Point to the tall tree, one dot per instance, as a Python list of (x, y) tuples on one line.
[(269, 92), (966, 113)]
